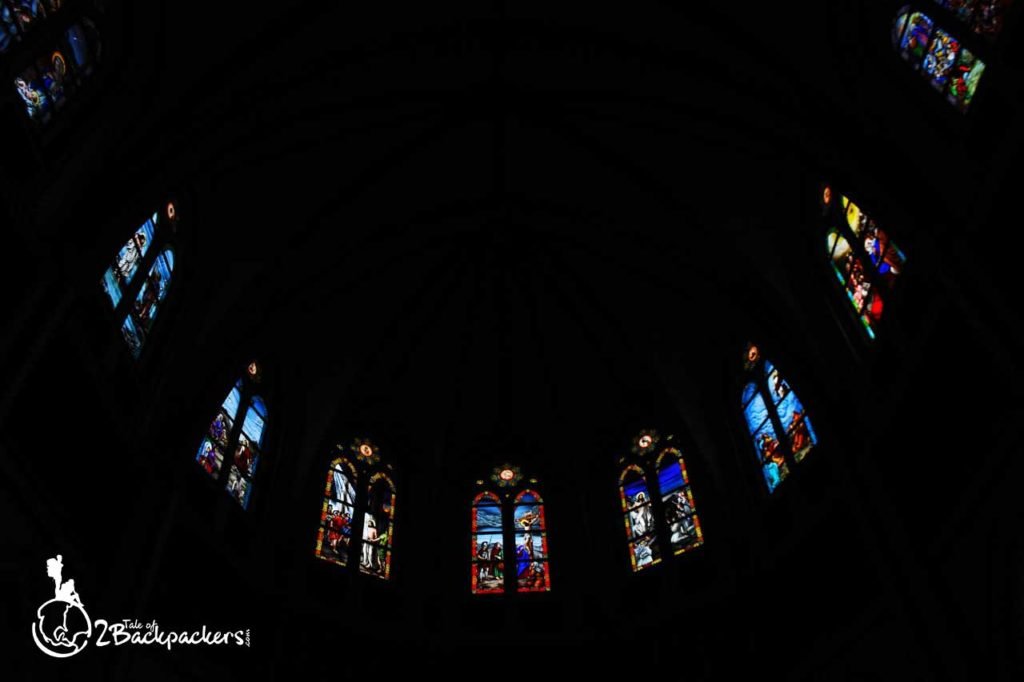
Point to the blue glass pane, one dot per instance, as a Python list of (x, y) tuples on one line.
[(78, 44), (153, 292), (257, 404), (342, 488), (8, 28), (748, 392), (130, 256), (636, 493), (253, 426), (132, 336), (111, 287), (756, 413), (487, 517), (670, 477), (231, 401), (769, 453)]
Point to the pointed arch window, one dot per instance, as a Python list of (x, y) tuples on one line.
[(18, 17), (488, 573), (863, 258), (139, 277), (509, 515), (334, 539), (635, 497), (56, 73), (949, 60), (679, 528), (240, 432), (778, 423), (346, 506)]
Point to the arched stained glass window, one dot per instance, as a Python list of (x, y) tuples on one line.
[(531, 543), (488, 542), (136, 299), (18, 17), (334, 539), (509, 515), (677, 501), (862, 256), (639, 518), (56, 72), (776, 419), (346, 506), (378, 527), (243, 437), (952, 67), (672, 502)]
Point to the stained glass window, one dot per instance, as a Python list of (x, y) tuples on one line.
[(664, 518), (639, 518), (55, 73), (779, 426), (509, 516), (244, 437), (345, 507), (17, 17), (952, 68), (862, 257), (681, 520), (488, 571), (531, 543), (378, 527), (136, 299), (334, 539)]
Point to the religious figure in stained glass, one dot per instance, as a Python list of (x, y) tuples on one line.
[(779, 427)]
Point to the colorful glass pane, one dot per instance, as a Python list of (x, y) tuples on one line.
[(145, 307), (487, 553), (916, 37), (27, 12), (531, 560), (859, 275), (334, 537), (677, 500), (119, 275), (951, 68), (378, 528), (965, 78), (9, 32), (639, 519), (938, 63)]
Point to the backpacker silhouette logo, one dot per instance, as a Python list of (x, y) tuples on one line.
[(62, 628)]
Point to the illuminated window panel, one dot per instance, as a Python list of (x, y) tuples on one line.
[(779, 426), (138, 279), (638, 515), (487, 551), (681, 520), (358, 525), (378, 527), (531, 543), (337, 514), (243, 437), (951, 67), (509, 546), (865, 261), (56, 73)]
